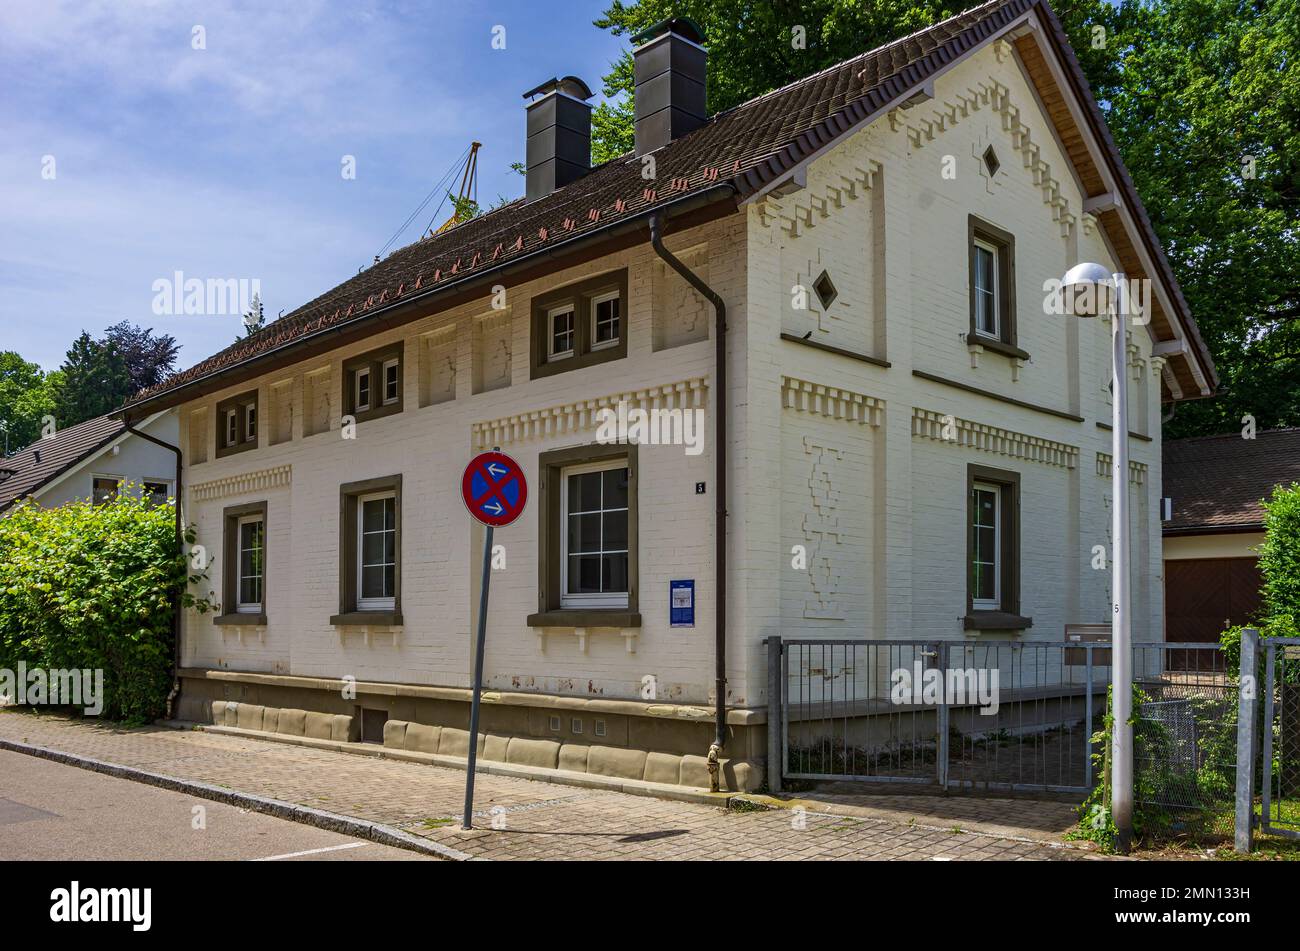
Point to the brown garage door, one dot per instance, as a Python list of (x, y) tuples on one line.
[(1205, 595)]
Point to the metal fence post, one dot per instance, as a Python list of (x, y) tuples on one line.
[(941, 718), (774, 718), (1089, 776), (1248, 680)]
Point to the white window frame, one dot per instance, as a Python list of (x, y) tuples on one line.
[(242, 606), (395, 365), (572, 310), (250, 422), (995, 603), (610, 599), (232, 427), (357, 405), (595, 302), (994, 308), (374, 604)]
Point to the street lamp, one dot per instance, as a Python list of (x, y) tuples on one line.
[(1091, 290)]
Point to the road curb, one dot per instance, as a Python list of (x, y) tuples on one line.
[(332, 821)]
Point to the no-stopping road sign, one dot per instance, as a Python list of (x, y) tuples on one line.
[(494, 489)]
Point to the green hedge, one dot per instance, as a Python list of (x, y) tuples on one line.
[(1279, 555), (88, 586)]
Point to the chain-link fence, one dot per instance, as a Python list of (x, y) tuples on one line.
[(1185, 734)]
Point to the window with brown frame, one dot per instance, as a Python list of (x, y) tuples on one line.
[(237, 423), (993, 550), (243, 587), (370, 553), (579, 325), (587, 537), (992, 272), (372, 384)]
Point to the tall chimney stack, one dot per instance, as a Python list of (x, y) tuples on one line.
[(559, 135), (670, 66)]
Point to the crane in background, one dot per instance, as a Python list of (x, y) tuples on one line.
[(466, 201)]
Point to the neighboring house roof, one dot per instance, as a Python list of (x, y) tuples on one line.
[(737, 154), (1217, 482), (46, 459)]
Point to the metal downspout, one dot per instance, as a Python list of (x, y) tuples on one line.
[(180, 548), (720, 491)]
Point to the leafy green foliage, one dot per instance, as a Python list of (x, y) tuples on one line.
[(87, 586), (26, 395), (1205, 86), (1279, 555)]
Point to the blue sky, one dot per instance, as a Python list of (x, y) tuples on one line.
[(225, 162)]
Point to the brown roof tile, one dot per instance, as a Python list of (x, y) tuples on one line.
[(1216, 482)]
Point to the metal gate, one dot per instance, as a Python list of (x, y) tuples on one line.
[(1280, 813), (985, 714)]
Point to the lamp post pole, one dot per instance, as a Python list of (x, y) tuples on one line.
[(1121, 787)]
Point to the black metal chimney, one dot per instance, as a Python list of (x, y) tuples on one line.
[(669, 66), (559, 135)]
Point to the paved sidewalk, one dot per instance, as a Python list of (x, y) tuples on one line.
[(538, 820)]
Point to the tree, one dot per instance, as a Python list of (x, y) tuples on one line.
[(96, 380), (148, 358), (1202, 98), (1206, 112), (26, 396), (254, 318)]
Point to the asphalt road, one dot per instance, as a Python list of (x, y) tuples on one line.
[(49, 811)]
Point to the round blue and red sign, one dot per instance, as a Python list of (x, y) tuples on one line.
[(494, 489)]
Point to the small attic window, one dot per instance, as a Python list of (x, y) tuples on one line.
[(991, 161), (826, 292)]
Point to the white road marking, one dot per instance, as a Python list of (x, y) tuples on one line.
[(328, 848)]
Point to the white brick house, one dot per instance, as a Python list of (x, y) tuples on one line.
[(880, 236)]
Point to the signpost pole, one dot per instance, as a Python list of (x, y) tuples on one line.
[(495, 492), (467, 821)]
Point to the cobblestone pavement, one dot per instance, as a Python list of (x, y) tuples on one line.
[(539, 820)]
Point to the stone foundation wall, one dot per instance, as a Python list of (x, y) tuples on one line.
[(659, 743)]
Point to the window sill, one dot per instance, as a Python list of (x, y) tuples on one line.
[(376, 412), (246, 446), (996, 621), (586, 617), (236, 619), (996, 346), (367, 619)]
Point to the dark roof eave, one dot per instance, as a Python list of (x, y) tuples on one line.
[(381, 317), (1233, 528)]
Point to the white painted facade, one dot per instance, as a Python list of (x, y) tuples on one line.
[(848, 458)]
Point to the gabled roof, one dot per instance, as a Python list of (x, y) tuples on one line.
[(737, 153), (1216, 482), (46, 459)]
